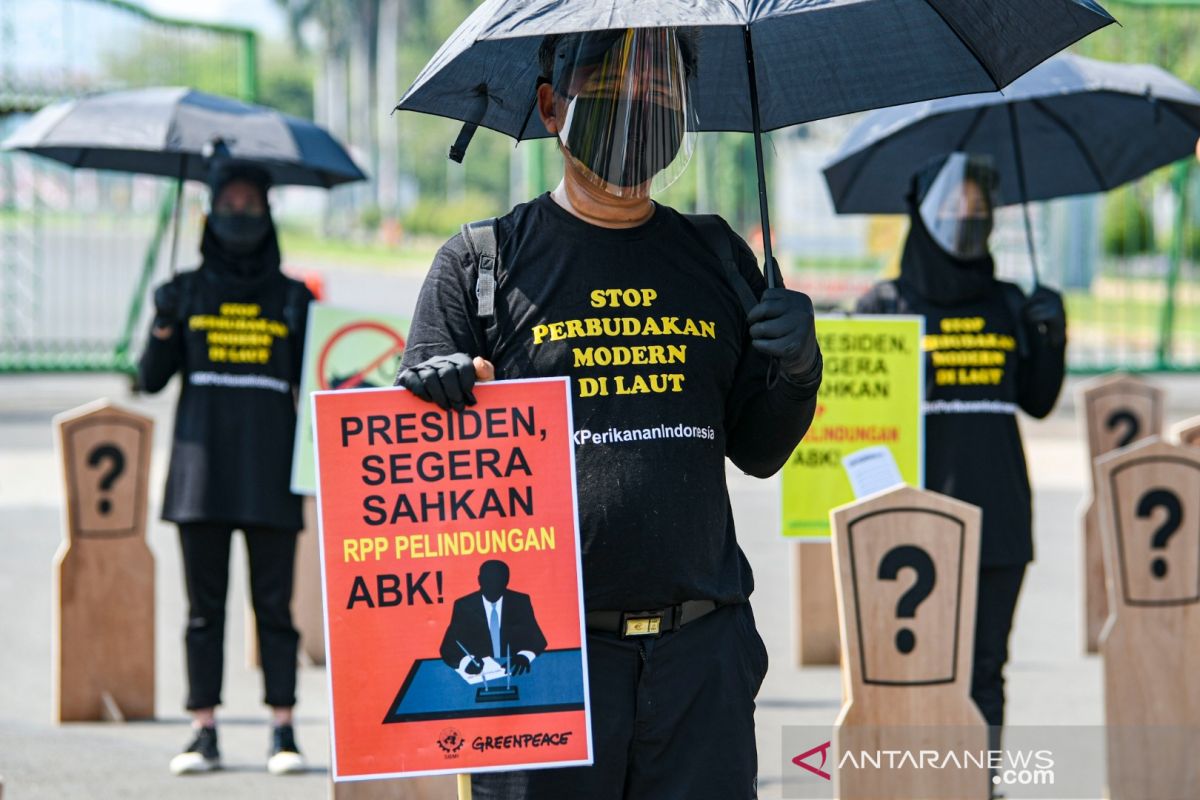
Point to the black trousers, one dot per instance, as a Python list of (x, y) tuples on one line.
[(672, 718), (272, 556), (998, 591)]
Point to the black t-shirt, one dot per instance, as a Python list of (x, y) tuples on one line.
[(655, 341), (239, 347), (976, 379)]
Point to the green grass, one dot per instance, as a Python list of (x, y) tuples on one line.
[(304, 246), (802, 263), (1130, 316)]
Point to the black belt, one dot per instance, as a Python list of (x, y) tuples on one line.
[(654, 623)]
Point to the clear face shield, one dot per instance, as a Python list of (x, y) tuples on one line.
[(957, 206), (628, 122)]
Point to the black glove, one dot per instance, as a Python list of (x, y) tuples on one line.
[(473, 667), (782, 326), (519, 665), (445, 380), (166, 305), (1044, 313)]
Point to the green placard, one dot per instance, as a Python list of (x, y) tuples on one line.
[(870, 398), (343, 349)]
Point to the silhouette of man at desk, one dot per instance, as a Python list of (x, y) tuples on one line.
[(492, 622)]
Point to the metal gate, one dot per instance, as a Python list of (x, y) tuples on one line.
[(78, 249)]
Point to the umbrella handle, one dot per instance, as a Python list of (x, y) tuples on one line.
[(178, 205), (1024, 192), (1032, 247), (769, 265), (175, 225)]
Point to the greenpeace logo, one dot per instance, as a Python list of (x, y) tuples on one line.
[(520, 741)]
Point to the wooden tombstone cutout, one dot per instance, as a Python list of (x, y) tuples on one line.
[(1187, 433), (1149, 499), (103, 661), (1118, 410), (815, 604), (307, 612), (907, 567)]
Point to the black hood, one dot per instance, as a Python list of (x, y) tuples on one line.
[(935, 275)]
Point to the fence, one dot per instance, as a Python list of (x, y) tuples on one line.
[(78, 249), (1138, 307)]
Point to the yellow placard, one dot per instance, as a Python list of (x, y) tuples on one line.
[(870, 397)]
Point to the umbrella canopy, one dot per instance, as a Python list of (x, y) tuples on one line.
[(812, 59), (1073, 125), (762, 64), (166, 131)]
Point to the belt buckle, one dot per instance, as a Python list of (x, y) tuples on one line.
[(641, 624)]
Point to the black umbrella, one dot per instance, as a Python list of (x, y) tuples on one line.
[(763, 64), (169, 131), (1071, 126), (173, 131)]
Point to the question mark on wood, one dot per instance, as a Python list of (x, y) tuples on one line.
[(907, 555), (113, 454), (1150, 502), (1125, 417)]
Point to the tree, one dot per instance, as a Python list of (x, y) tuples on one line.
[(364, 46)]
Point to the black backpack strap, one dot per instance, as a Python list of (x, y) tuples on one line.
[(716, 236), (480, 238)]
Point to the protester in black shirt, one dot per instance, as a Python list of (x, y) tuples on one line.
[(234, 329), (670, 375), (989, 352)]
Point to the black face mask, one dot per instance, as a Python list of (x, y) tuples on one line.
[(654, 138), (240, 234)]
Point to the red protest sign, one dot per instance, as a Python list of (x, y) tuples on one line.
[(453, 596)]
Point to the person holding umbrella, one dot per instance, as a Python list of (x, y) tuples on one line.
[(582, 275), (990, 352), (234, 329)]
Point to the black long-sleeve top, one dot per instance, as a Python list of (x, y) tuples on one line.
[(983, 363), (238, 343), (665, 385)]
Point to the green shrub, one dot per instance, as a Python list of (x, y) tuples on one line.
[(444, 219), (370, 218)]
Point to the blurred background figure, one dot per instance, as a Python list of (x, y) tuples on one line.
[(990, 352), (234, 329)]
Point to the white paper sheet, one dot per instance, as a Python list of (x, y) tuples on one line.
[(492, 669), (872, 470)]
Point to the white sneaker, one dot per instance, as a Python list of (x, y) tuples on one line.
[(285, 758), (201, 755)]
